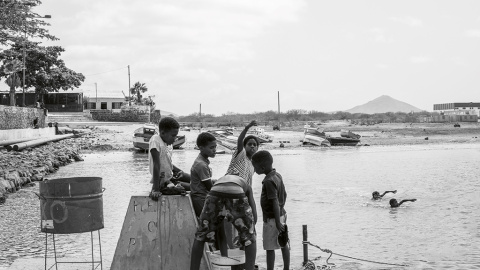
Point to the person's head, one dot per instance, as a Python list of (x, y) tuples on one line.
[(262, 162), (376, 195), (250, 144), (168, 128), (393, 202), (207, 143)]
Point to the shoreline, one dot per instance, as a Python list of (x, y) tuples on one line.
[(19, 169)]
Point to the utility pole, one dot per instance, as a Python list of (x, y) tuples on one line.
[(129, 102), (278, 102), (96, 96)]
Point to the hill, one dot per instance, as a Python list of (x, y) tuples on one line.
[(384, 104)]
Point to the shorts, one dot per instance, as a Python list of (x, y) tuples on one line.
[(236, 210), (270, 233)]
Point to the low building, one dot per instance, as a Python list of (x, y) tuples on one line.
[(108, 101), (65, 101)]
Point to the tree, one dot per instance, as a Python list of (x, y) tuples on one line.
[(11, 70), (17, 21), (137, 90), (44, 70)]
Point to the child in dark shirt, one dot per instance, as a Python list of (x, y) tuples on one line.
[(201, 173), (272, 201)]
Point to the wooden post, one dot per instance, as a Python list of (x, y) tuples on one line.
[(305, 245)]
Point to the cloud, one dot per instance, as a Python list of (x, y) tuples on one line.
[(475, 33), (419, 59), (410, 21), (380, 36)]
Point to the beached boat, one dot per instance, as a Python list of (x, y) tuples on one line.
[(342, 141), (315, 137), (261, 134), (142, 135)]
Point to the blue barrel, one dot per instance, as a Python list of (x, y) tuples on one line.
[(71, 205)]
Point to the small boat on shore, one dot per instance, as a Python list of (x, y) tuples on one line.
[(142, 135), (315, 137)]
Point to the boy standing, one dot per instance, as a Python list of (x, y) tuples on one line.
[(201, 173), (272, 201), (160, 158), (230, 198)]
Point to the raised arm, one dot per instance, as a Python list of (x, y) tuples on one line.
[(242, 135)]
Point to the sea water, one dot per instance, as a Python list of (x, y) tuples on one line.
[(329, 190)]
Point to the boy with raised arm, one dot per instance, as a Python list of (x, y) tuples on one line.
[(272, 200)]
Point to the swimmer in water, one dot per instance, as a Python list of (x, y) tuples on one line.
[(395, 204), (377, 196)]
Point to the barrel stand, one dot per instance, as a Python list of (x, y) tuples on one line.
[(95, 264)]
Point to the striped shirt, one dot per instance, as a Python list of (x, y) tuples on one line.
[(242, 166)]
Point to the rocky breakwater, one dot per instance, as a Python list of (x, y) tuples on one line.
[(19, 169)]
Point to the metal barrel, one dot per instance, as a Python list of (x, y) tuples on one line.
[(71, 205)]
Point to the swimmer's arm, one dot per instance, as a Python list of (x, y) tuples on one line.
[(251, 201), (409, 200), (276, 213), (388, 191)]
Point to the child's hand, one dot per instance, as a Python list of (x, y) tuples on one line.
[(413, 200), (251, 124), (154, 195), (395, 191), (280, 227)]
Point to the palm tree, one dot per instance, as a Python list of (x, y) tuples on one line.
[(12, 68), (137, 90)]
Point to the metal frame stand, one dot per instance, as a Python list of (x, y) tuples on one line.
[(95, 264)]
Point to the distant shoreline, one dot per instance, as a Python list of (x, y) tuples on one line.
[(119, 138)]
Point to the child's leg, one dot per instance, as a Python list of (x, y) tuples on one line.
[(250, 256), (197, 253), (270, 259), (286, 257)]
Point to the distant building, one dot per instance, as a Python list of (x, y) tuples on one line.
[(457, 112), (65, 101), (458, 108), (112, 102)]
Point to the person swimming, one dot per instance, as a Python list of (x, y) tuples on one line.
[(395, 204), (376, 195)]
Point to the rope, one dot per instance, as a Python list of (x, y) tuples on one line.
[(331, 253)]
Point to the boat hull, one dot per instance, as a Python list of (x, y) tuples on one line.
[(342, 141), (315, 140)]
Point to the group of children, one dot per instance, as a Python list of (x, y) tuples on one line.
[(393, 202), (227, 199)]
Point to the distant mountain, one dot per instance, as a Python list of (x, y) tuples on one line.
[(384, 104)]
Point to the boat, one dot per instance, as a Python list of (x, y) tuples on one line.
[(342, 141), (142, 135), (262, 136), (315, 137)]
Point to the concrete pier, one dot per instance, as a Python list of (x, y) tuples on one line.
[(157, 235)]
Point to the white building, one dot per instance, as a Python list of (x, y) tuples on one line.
[(106, 101)]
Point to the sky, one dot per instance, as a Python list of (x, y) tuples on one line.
[(237, 56)]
